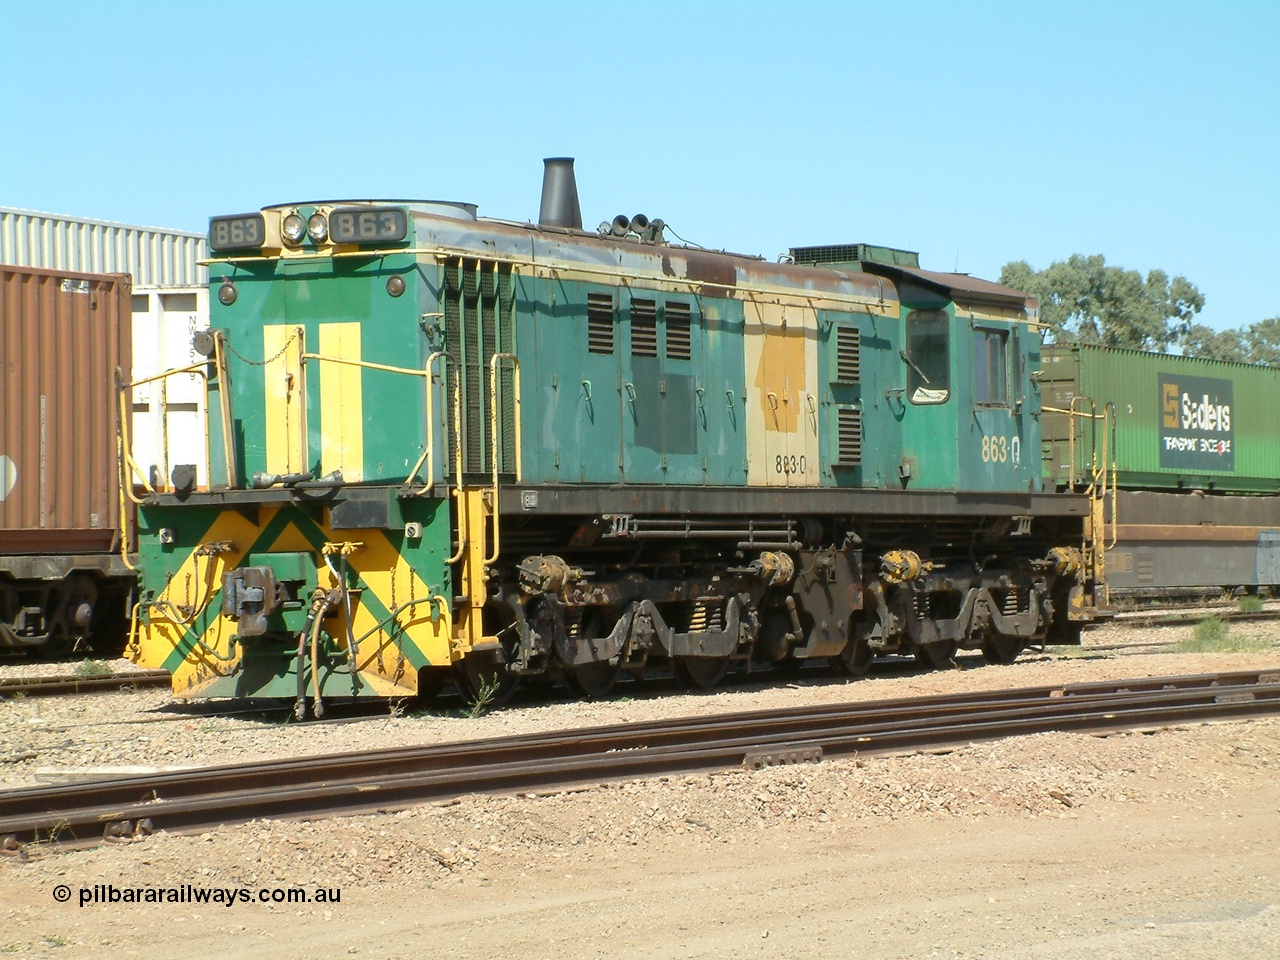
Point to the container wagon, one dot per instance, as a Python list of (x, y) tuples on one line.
[(65, 575), (169, 305), (1195, 456)]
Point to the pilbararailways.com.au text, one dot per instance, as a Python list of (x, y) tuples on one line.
[(109, 893)]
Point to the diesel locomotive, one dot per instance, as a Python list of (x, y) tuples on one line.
[(446, 448)]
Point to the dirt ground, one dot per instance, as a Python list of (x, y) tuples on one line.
[(1144, 845)]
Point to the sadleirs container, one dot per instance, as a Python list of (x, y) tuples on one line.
[(1181, 423), (63, 335)]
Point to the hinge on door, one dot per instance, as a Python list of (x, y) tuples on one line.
[(662, 387)]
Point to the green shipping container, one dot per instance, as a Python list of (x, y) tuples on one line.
[(1180, 423)]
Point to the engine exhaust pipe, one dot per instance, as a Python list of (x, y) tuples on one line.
[(559, 195)]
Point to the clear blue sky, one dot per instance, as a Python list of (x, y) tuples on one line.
[(975, 133)]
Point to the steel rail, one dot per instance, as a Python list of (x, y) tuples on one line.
[(1176, 618), (78, 814), (48, 686)]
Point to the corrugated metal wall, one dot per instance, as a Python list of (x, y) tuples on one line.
[(153, 257), (62, 336)]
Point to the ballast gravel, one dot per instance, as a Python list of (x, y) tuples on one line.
[(1155, 844)]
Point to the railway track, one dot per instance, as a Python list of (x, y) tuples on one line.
[(1179, 614), (182, 801), (48, 686)]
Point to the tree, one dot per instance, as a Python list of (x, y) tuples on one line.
[(1259, 343), (1084, 299), (1209, 344), (1263, 339)]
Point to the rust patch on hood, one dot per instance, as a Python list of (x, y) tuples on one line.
[(710, 267)]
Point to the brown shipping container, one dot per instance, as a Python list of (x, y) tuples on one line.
[(62, 336)]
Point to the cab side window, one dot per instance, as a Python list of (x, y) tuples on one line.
[(991, 368), (928, 356)]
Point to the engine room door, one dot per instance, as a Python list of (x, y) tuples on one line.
[(782, 394), (661, 374)]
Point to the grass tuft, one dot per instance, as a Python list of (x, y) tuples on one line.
[(1250, 604), (1213, 636), (92, 668)]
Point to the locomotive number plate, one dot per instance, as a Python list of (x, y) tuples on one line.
[(368, 224)]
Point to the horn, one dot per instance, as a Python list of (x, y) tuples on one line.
[(621, 225), (653, 232), (639, 223)]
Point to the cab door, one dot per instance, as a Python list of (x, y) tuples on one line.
[(995, 457), (930, 408)]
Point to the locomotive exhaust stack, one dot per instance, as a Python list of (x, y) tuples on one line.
[(559, 195)]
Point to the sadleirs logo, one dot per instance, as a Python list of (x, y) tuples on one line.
[(1196, 424)]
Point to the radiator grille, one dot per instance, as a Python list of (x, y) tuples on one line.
[(679, 331), (600, 323), (848, 355), (479, 315), (644, 328), (849, 429)]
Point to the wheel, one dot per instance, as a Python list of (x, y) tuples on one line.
[(937, 656), (484, 682), (700, 673), (592, 680), (856, 658), (1001, 649)]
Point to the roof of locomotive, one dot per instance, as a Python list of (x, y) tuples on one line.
[(454, 228), (567, 247)]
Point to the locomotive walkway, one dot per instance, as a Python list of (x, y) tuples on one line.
[(185, 801)]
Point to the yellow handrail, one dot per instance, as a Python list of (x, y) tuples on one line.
[(494, 434)]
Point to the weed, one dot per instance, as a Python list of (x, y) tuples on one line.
[(1210, 632), (53, 940), (396, 708), (1250, 604), (484, 698), (92, 668)]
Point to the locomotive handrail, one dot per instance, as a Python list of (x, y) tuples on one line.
[(425, 373), (494, 436), (428, 454), (410, 371), (125, 435)]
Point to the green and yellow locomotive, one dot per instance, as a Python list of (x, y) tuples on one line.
[(449, 447)]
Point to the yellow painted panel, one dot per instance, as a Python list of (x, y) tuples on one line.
[(285, 399), (782, 386), (341, 402)]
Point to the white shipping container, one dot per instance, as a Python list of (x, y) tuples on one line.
[(165, 320), (153, 256)]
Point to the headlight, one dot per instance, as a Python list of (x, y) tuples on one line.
[(318, 227), (293, 228)]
